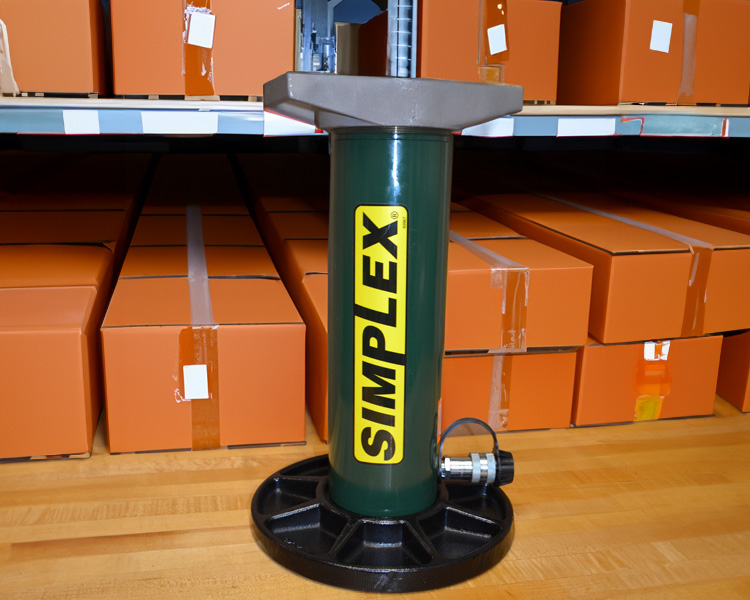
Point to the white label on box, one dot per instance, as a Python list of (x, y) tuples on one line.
[(661, 36), (655, 351), (201, 30), (496, 37), (196, 382), (82, 122), (587, 126)]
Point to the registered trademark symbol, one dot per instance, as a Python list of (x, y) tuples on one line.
[(394, 215)]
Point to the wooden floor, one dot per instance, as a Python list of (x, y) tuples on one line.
[(648, 510)]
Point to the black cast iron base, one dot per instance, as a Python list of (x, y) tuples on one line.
[(465, 532)]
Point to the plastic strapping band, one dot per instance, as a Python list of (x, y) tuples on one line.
[(697, 293), (199, 343), (499, 388), (513, 279), (7, 81), (689, 44), (198, 62), (201, 312)]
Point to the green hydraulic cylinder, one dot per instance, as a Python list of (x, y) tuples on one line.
[(391, 156), (390, 191)]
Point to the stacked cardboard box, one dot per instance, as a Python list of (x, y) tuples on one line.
[(728, 211), (523, 49), (57, 257), (202, 345), (497, 344), (203, 48), (734, 370), (56, 47), (651, 278), (692, 51)]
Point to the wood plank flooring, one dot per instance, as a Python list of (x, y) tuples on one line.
[(652, 510)]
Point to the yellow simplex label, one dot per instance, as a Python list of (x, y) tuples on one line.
[(380, 248)]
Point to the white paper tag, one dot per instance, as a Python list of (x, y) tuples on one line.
[(655, 351), (496, 37), (661, 36), (196, 382), (201, 30)]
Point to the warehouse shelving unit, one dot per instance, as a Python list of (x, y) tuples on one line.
[(31, 115), (603, 512)]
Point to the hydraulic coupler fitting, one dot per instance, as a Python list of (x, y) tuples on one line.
[(492, 468)]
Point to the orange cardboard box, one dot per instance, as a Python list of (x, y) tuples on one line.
[(448, 44), (56, 47), (52, 300), (150, 57), (718, 49), (509, 392), (640, 278), (614, 51), (722, 301), (559, 291), (646, 380), (249, 358), (734, 370)]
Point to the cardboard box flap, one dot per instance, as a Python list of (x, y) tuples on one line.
[(155, 261), (233, 230), (46, 308), (218, 230), (61, 227), (715, 236), (461, 260), (166, 301), (310, 256), (149, 302), (251, 301), (597, 231), (160, 230), (48, 266), (533, 254), (239, 261), (473, 225), (221, 261)]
